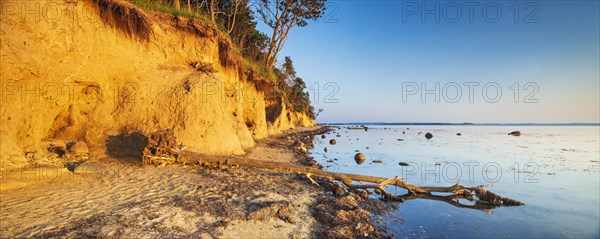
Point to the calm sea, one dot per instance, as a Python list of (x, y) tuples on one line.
[(554, 170)]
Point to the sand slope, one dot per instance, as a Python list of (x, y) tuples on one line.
[(80, 75)]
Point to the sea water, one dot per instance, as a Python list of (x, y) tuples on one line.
[(554, 170)]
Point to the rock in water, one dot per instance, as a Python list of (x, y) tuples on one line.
[(322, 136), (459, 134), (359, 158), (403, 164), (326, 149), (428, 135), (332, 142), (515, 133), (377, 161)]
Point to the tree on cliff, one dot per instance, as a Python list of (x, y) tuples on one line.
[(225, 12), (281, 16), (293, 88)]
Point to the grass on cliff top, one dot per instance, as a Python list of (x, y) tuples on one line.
[(167, 8), (153, 5), (261, 70)]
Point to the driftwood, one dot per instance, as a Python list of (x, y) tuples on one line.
[(483, 198), (161, 149)]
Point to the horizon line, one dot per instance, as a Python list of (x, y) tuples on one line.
[(464, 123)]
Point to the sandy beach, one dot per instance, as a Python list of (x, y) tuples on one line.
[(110, 197)]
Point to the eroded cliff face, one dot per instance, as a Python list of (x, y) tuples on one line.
[(280, 118), (107, 73)]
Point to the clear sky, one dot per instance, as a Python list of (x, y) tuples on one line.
[(379, 55)]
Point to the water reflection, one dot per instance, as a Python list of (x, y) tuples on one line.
[(553, 170)]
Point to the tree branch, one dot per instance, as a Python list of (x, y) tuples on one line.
[(484, 196)]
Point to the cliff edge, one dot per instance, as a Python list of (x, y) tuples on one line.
[(108, 73)]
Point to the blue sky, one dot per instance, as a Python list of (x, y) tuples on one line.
[(370, 50)]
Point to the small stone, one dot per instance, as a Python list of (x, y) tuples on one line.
[(330, 160), (332, 141), (359, 158), (326, 149), (428, 135), (515, 133), (459, 134), (323, 136), (377, 161), (403, 164), (298, 144)]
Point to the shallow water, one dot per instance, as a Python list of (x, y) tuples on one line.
[(554, 170)]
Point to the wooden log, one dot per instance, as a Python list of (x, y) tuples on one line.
[(347, 178)]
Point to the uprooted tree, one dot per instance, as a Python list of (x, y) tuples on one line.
[(162, 149)]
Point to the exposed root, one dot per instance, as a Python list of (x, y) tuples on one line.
[(377, 184), (488, 197), (125, 17), (311, 180)]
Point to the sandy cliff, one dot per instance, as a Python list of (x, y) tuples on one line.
[(107, 73)]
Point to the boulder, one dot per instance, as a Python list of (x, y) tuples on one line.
[(359, 158)]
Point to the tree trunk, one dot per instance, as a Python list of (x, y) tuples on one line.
[(269, 60), (481, 192), (177, 4), (212, 11)]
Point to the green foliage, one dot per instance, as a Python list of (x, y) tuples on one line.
[(283, 15), (167, 8), (236, 20), (293, 88)]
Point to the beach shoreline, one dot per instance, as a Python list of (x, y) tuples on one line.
[(121, 198)]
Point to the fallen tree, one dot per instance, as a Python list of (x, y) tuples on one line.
[(163, 149), (483, 199)]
